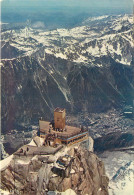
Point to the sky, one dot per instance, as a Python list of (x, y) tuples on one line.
[(71, 3)]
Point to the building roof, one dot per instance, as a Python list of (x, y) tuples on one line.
[(69, 132)]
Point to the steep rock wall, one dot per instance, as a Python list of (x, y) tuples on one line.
[(33, 84), (84, 175)]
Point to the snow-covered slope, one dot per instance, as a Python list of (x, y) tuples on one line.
[(120, 170), (123, 181), (100, 36)]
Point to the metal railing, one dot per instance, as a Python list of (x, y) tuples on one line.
[(65, 135)]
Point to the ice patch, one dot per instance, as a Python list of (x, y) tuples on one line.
[(35, 158), (118, 27), (60, 55), (118, 51), (32, 143), (48, 51), (3, 192), (93, 51), (67, 192), (39, 141), (23, 162), (5, 163)]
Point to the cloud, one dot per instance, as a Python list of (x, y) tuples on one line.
[(38, 25)]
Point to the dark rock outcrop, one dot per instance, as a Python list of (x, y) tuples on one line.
[(8, 51), (113, 141)]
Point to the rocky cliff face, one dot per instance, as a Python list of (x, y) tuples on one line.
[(32, 90), (43, 83), (84, 174)]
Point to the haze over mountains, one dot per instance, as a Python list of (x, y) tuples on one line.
[(60, 13)]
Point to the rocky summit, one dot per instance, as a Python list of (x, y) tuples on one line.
[(74, 170)]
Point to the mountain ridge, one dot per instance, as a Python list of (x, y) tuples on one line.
[(58, 78)]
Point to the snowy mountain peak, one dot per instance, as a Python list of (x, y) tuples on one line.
[(97, 37)]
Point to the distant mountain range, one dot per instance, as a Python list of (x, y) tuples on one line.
[(86, 68)]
